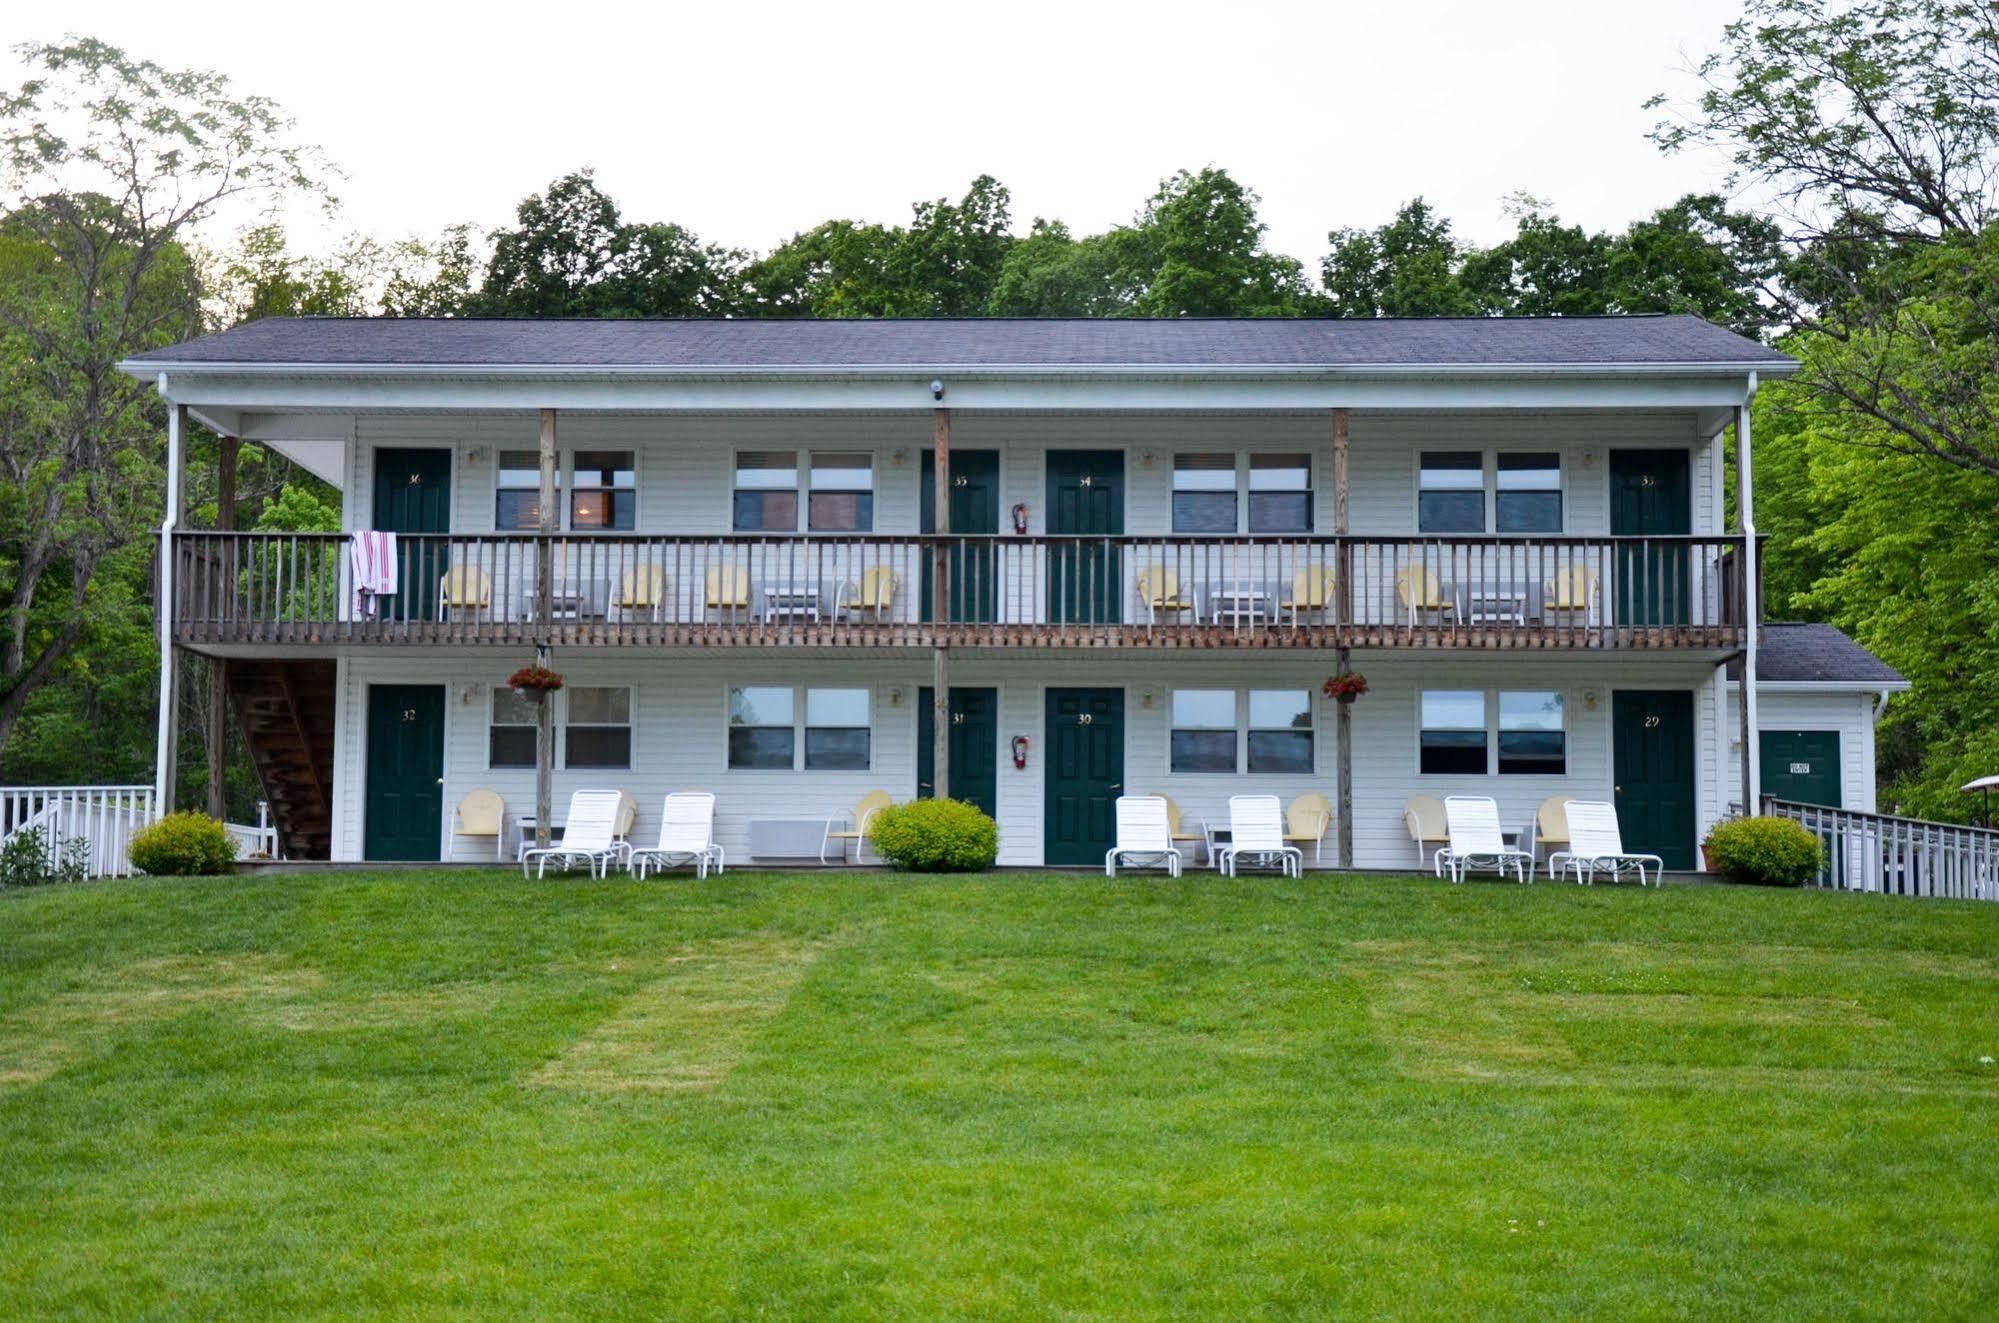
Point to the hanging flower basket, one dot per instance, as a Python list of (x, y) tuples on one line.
[(1346, 688), (534, 683)]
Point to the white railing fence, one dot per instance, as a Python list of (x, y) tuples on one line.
[(102, 817), (1899, 856), (261, 839)]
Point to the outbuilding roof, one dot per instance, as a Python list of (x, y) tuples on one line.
[(971, 343), (1794, 652)]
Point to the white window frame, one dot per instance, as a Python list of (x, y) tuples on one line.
[(1491, 695), (800, 696), (631, 725), (565, 488), (802, 524), (491, 766), (1489, 484), (1242, 726)]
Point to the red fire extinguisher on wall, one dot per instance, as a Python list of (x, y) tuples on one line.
[(1020, 518), (1020, 751)]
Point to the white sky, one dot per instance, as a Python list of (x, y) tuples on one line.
[(747, 122)]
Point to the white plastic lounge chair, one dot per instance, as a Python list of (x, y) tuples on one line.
[(686, 836), (483, 813), (1144, 836), (1477, 842), (1423, 818), (589, 836), (1256, 829), (1596, 844)]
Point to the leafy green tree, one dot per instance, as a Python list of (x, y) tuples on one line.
[(1201, 245), (1406, 268), (109, 163), (572, 255), (1051, 273)]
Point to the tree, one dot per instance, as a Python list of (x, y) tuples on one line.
[(109, 163), (1878, 122), (1200, 244), (1406, 268), (1051, 273), (572, 255)]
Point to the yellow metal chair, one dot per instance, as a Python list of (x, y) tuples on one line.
[(728, 589), (1312, 590), (465, 588), (642, 592), (1572, 589), (1421, 590), (1159, 592), (1174, 828), (1551, 824), (483, 813), (876, 592), (1423, 818), (1307, 821), (871, 803)]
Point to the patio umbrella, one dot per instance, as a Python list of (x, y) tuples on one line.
[(1987, 784)]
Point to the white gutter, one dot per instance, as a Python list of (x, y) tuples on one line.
[(142, 368)]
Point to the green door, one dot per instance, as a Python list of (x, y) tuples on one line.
[(1085, 758), (1801, 766), (1651, 495), (413, 496), (1652, 757), (974, 746), (405, 794), (974, 511), (1086, 497)]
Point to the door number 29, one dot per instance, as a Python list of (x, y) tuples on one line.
[(1650, 722)]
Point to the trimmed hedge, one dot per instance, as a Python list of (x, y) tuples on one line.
[(183, 845), (1765, 852), (935, 836)]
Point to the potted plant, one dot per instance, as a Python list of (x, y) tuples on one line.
[(534, 683), (1345, 688)]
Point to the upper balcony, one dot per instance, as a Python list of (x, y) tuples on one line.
[(242, 592)]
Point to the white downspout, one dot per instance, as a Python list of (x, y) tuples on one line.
[(1745, 506), (1881, 704), (163, 741)]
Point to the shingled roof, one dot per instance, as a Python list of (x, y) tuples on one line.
[(1794, 652), (1019, 343)]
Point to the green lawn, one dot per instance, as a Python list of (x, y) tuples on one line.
[(1017, 1096)]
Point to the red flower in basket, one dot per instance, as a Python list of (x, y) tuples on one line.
[(534, 682), (1346, 688)]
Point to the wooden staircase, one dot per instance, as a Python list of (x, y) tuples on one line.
[(285, 710)]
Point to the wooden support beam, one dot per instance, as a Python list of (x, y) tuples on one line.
[(940, 608), (544, 612), (1343, 715)]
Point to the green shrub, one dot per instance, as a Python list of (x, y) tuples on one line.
[(935, 836), (1767, 852), (27, 859), (183, 845)]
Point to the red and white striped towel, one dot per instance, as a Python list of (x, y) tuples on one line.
[(372, 556)]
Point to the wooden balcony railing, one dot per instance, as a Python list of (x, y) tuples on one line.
[(1393, 592)]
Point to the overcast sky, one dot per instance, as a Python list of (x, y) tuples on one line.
[(747, 122)]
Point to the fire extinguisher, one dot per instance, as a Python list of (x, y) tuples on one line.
[(1020, 518), (1020, 751)]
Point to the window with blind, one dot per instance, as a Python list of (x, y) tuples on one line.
[(1450, 496), (510, 735), (1527, 493), (766, 494), (762, 728), (1280, 730), (1280, 494), (1204, 493), (517, 491), (1204, 730), (1532, 740), (1452, 740), (598, 732), (836, 730), (842, 498)]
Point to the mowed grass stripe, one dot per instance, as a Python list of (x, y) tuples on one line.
[(686, 1031)]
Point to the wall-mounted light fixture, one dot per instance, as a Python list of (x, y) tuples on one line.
[(1589, 700), (895, 696), (469, 693), (475, 456), (899, 456), (936, 388), (1145, 698)]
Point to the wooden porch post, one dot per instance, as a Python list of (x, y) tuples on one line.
[(1343, 711), (940, 611), (166, 749), (544, 611), (218, 667)]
